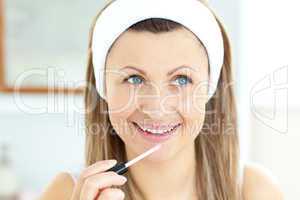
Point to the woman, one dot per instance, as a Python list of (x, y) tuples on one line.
[(160, 65)]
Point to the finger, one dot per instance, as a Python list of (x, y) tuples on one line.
[(99, 191), (111, 194), (97, 167), (92, 184)]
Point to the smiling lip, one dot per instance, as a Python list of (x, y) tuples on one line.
[(156, 138)]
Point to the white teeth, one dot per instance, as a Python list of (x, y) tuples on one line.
[(157, 131)]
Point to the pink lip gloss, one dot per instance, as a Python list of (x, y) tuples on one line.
[(122, 167), (156, 138)]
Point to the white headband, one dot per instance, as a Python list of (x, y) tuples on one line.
[(121, 14)]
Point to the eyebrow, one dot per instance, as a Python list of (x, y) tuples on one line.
[(169, 73)]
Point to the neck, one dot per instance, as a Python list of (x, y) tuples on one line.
[(171, 179)]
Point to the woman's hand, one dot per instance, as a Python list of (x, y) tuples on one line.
[(95, 184)]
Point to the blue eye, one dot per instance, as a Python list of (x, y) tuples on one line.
[(135, 79), (180, 79), (183, 80)]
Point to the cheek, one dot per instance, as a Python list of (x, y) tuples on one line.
[(118, 96), (121, 101), (120, 107), (192, 103), (120, 124), (192, 108)]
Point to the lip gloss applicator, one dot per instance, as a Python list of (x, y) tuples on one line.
[(121, 168)]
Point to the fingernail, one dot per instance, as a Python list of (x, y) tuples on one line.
[(111, 162), (124, 178)]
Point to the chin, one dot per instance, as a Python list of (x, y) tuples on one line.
[(136, 144)]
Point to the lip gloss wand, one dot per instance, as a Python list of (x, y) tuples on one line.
[(122, 167)]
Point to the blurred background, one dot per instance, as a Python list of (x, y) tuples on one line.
[(43, 44)]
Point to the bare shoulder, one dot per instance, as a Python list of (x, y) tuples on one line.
[(260, 183), (60, 188)]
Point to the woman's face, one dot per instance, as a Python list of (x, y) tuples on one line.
[(156, 81)]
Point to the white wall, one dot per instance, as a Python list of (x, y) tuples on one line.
[(265, 44), (41, 144), (270, 73), (279, 151)]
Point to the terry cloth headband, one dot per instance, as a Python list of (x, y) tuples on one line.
[(121, 14)]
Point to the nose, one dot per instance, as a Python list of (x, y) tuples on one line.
[(152, 108), (156, 102)]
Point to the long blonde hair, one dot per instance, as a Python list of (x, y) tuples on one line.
[(217, 155)]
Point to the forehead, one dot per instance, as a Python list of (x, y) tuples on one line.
[(147, 49)]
